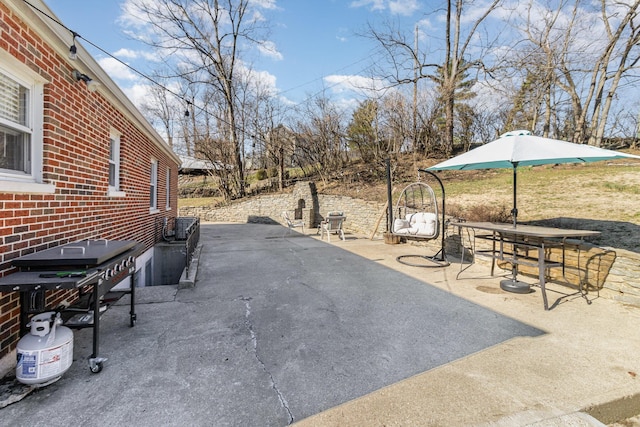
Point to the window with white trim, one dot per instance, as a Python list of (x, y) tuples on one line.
[(21, 117), (168, 189), (153, 186), (114, 161)]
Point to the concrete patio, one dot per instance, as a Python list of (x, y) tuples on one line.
[(285, 328)]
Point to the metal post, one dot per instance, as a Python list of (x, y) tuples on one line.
[(442, 253), (389, 200), (514, 211)]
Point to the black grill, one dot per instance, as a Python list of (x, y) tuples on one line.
[(91, 267)]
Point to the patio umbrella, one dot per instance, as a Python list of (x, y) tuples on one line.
[(521, 148)]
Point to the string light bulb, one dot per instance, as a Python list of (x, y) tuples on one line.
[(73, 50)]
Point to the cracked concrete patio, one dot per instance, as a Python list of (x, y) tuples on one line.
[(283, 328)]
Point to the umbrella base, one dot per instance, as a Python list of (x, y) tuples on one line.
[(515, 286)]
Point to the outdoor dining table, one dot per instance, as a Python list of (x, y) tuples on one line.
[(521, 239)]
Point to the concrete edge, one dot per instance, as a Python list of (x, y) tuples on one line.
[(188, 279)]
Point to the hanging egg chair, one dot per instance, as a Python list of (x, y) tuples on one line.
[(415, 216)]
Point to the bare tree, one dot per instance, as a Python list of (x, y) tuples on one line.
[(403, 64), (273, 142), (408, 65), (536, 63), (625, 39), (393, 111), (455, 65), (569, 65), (205, 37), (617, 54), (162, 108), (321, 140)]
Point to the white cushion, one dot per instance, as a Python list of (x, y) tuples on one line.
[(416, 224), (426, 229), (429, 216), (399, 225)]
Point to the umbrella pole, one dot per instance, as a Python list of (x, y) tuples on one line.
[(514, 211), (513, 284), (389, 196)]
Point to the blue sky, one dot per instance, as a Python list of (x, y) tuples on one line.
[(316, 41), (318, 44), (318, 47)]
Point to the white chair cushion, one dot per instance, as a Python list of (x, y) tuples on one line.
[(400, 225), (419, 224)]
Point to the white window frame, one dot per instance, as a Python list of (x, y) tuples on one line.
[(153, 186), (31, 181), (168, 189), (114, 161)]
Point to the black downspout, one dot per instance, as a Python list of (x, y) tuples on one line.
[(389, 200), (442, 252)]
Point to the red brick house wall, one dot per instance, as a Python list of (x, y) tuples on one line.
[(73, 201)]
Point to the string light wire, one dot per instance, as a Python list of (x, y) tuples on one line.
[(163, 87)]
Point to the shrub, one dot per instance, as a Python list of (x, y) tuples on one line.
[(482, 213)]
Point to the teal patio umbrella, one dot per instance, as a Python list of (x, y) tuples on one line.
[(521, 148)]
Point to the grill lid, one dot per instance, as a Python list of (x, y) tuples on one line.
[(85, 253)]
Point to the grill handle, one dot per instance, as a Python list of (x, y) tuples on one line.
[(71, 249)]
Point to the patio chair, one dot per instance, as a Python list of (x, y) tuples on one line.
[(292, 223), (332, 224)]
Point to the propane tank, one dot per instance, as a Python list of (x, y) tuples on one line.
[(46, 352)]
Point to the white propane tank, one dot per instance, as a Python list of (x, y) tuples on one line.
[(46, 352)]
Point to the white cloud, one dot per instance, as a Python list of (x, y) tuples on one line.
[(259, 81), (489, 98), (372, 4), (258, 17), (131, 15), (269, 49), (425, 29), (425, 24), (341, 36), (137, 54), (265, 81), (396, 7), (347, 104), (117, 70), (265, 4), (369, 86), (139, 94), (126, 53), (403, 7)]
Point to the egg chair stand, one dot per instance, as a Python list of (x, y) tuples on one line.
[(414, 216)]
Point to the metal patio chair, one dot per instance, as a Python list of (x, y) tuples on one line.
[(292, 223), (332, 224)]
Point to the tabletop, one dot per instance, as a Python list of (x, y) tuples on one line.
[(527, 230)]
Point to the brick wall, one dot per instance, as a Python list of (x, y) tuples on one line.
[(615, 272), (77, 127)]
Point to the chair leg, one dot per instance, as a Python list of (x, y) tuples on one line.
[(342, 235)]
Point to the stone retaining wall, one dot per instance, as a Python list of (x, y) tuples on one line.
[(361, 215), (615, 272)]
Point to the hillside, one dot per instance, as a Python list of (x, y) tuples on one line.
[(603, 196)]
